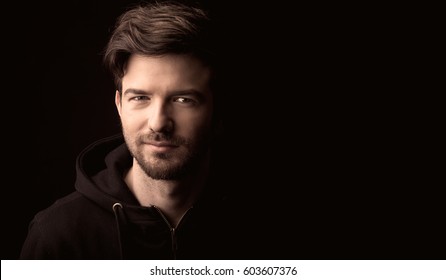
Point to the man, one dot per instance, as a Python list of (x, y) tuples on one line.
[(150, 193)]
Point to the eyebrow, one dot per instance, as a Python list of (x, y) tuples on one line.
[(135, 91), (192, 92)]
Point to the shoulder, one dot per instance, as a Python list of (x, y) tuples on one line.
[(66, 230), (63, 206), (66, 212)]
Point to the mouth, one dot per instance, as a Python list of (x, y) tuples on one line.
[(161, 146)]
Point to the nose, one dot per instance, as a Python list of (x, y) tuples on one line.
[(160, 119)]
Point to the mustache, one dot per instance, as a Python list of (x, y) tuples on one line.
[(164, 137)]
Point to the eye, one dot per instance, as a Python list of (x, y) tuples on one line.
[(139, 98), (185, 100)]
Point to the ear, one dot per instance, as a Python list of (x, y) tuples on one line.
[(118, 102)]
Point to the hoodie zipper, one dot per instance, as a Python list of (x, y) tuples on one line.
[(172, 230)]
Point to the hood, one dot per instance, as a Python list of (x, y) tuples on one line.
[(100, 170)]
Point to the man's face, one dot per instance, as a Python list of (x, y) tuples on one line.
[(166, 113)]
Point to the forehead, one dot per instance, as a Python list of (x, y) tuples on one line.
[(172, 72)]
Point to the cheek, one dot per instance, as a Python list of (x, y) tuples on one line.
[(194, 125), (132, 121)]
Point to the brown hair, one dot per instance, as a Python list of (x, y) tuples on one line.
[(159, 28)]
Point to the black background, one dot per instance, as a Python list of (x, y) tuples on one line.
[(322, 141), (57, 99)]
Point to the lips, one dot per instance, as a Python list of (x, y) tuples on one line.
[(162, 144)]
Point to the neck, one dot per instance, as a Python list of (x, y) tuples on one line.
[(172, 197)]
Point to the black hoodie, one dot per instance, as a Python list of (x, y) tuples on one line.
[(102, 219)]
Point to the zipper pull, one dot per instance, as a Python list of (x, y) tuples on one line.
[(174, 242)]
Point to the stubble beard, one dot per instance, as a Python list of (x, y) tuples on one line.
[(174, 165)]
